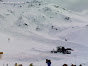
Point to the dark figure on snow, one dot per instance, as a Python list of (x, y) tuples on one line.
[(48, 62), (63, 50), (80, 65), (73, 65), (65, 65)]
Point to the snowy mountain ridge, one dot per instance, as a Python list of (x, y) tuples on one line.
[(37, 15)]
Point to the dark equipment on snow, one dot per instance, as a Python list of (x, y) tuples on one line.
[(61, 49)]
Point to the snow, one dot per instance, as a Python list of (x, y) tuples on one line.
[(30, 30)]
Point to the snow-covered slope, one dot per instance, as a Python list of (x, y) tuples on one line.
[(29, 30), (35, 16)]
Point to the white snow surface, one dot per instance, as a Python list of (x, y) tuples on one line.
[(30, 29)]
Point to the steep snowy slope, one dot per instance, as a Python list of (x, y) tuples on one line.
[(35, 16)]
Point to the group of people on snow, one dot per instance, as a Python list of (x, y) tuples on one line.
[(71, 65), (48, 62)]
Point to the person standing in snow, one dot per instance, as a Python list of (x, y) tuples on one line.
[(80, 65), (48, 62), (65, 65), (31, 64)]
